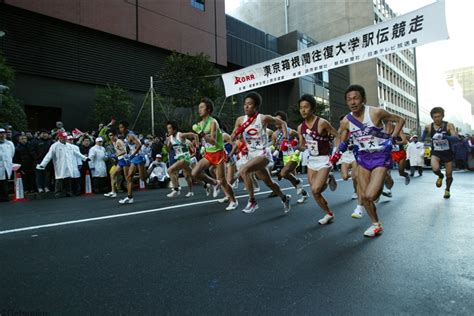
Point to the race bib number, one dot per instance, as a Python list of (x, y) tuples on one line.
[(441, 144), (312, 146), (368, 143)]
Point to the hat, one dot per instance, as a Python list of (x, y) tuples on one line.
[(158, 156), (99, 139), (2, 130), (62, 134), (414, 136)]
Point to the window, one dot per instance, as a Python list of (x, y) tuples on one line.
[(198, 4)]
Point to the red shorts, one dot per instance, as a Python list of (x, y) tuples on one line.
[(216, 157), (399, 155)]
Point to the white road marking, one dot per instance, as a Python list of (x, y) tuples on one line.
[(100, 218)]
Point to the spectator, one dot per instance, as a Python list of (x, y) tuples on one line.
[(64, 158), (59, 128), (156, 146), (416, 154), (76, 177), (39, 150), (97, 165), (7, 151), (461, 152), (24, 157), (146, 150), (158, 173)]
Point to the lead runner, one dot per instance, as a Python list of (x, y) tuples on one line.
[(365, 124)]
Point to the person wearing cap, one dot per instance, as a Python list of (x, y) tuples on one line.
[(158, 173), (63, 155), (39, 150), (7, 151), (416, 155), (76, 179), (97, 165)]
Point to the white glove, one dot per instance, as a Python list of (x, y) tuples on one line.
[(39, 167)]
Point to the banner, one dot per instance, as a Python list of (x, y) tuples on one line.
[(418, 27)]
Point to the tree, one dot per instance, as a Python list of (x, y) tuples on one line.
[(112, 101), (188, 78), (11, 111), (163, 113)]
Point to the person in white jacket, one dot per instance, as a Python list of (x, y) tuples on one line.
[(7, 151), (97, 165), (158, 173), (415, 154), (64, 157)]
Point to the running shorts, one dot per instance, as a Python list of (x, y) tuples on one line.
[(317, 163), (215, 158), (399, 155)]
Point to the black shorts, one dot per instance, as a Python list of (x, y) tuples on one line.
[(444, 156)]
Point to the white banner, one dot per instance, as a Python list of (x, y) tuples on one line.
[(418, 27)]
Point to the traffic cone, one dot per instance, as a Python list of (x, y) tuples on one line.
[(88, 190), (141, 185), (19, 192)]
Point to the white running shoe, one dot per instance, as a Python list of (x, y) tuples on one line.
[(256, 188), (358, 212), (173, 194), (126, 200), (302, 199), (189, 194), (299, 187), (387, 193), (216, 189), (372, 231), (40, 190), (286, 204), (46, 189), (235, 186), (354, 196), (225, 199), (332, 182), (110, 194), (232, 206), (326, 219), (250, 208)]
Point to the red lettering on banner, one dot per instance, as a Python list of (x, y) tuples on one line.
[(243, 79)]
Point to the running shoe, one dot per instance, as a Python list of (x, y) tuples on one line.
[(354, 196), (286, 203), (407, 180), (256, 188), (46, 189), (173, 194), (326, 219), (251, 207), (126, 200), (387, 193), (235, 186), (225, 199), (232, 206), (374, 230), (439, 182), (40, 190), (216, 189), (110, 194), (302, 199), (447, 195), (189, 194), (357, 213), (299, 187), (332, 182), (208, 189)]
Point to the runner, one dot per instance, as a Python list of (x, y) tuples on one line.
[(252, 127), (137, 161), (214, 153), (349, 163), (123, 162), (399, 154), (290, 154), (182, 157), (314, 134), (442, 134), (374, 146)]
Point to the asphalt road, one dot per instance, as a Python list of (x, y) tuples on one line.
[(89, 255)]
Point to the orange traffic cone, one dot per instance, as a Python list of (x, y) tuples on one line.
[(19, 192), (88, 190)]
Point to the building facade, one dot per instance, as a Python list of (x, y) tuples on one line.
[(390, 80), (464, 77)]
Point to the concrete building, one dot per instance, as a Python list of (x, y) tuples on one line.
[(464, 77), (390, 80), (62, 51)]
